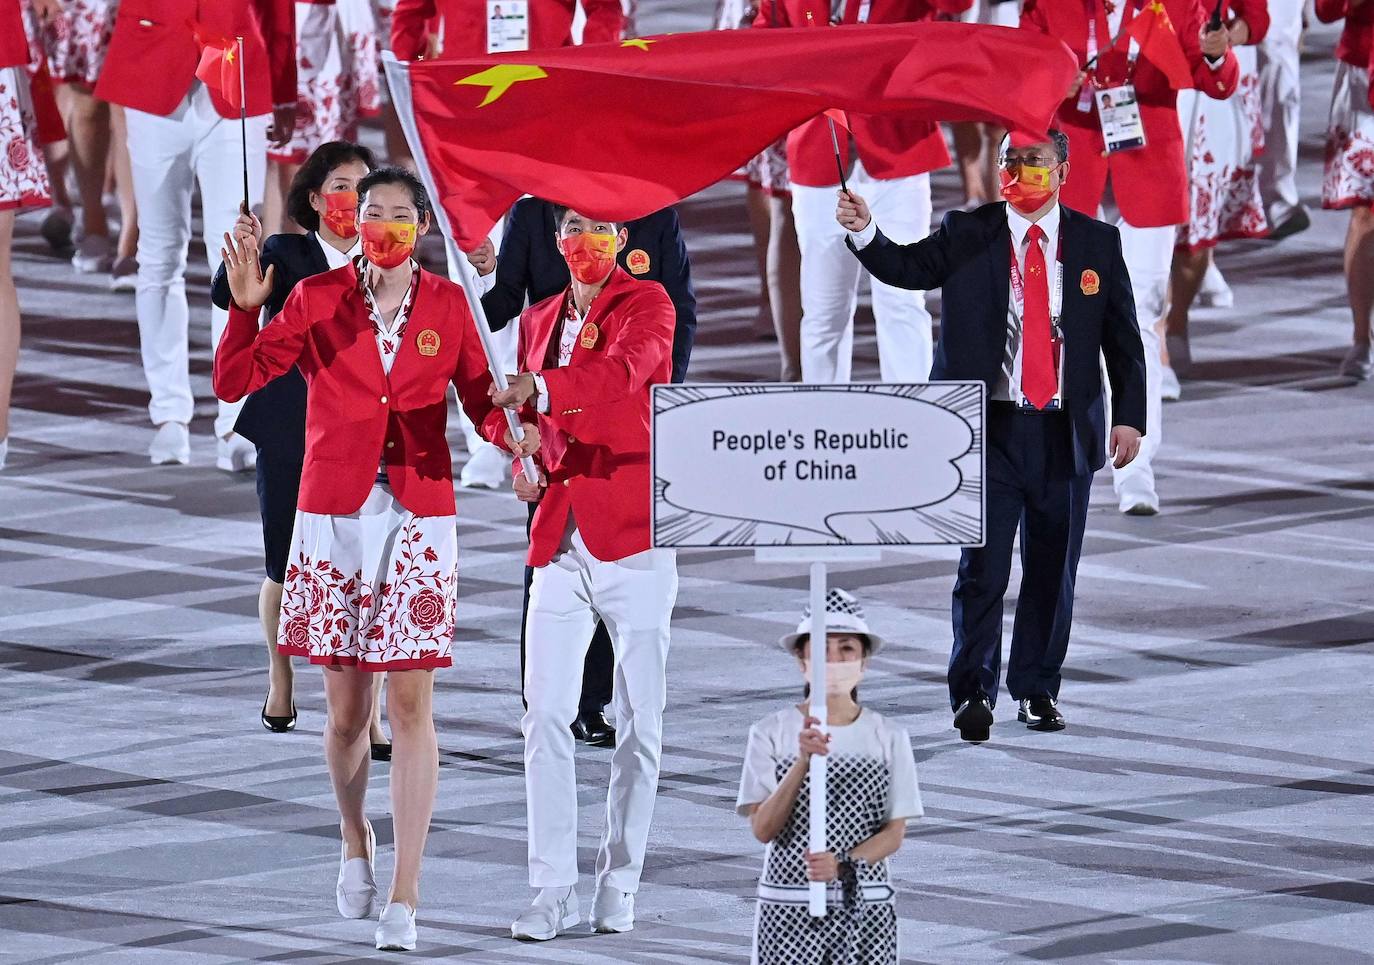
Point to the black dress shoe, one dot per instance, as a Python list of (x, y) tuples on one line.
[(1294, 223), (973, 719), (1040, 713), (592, 727), (279, 725), (381, 752)]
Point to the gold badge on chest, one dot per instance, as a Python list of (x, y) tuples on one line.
[(428, 343), (589, 336), (638, 262), (1089, 282)]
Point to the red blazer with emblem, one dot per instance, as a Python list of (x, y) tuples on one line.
[(1150, 184), (465, 25), (153, 54), (356, 413), (595, 437), (889, 147)]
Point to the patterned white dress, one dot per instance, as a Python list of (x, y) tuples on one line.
[(870, 780), (23, 172), (77, 38), (374, 589), (1349, 173), (767, 170)]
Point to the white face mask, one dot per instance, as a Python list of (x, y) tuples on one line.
[(840, 677)]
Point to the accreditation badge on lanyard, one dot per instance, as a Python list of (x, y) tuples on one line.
[(508, 26), (1018, 289), (1118, 109)]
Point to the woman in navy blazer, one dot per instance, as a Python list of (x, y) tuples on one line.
[(273, 417)]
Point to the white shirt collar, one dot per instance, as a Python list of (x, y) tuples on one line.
[(333, 257), (1020, 224)]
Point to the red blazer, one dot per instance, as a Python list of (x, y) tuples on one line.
[(465, 25), (1357, 39), (595, 437), (889, 147), (153, 55), (1150, 183), (356, 413), (14, 42), (1255, 13)]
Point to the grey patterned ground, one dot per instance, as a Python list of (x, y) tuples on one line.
[(1209, 802)]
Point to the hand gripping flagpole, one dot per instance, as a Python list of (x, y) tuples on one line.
[(243, 121), (816, 769), (398, 80)]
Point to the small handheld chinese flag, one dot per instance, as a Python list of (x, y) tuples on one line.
[(1159, 44), (219, 65)]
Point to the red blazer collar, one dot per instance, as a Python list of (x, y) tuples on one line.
[(548, 319)]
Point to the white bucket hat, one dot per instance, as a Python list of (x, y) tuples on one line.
[(843, 614)]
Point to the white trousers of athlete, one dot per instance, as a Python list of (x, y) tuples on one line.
[(1280, 101), (635, 597), (830, 276), (1148, 252), (172, 155), (505, 342)]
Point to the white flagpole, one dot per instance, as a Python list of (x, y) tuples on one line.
[(398, 80), (816, 771)]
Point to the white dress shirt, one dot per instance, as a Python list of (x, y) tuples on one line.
[(333, 257)]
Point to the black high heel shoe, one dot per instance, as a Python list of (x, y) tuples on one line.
[(279, 725), (381, 752)]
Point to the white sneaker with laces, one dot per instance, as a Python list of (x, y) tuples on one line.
[(396, 928), (171, 445), (356, 889), (236, 454), (485, 468), (613, 911), (554, 910)]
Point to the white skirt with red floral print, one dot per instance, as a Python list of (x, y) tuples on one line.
[(76, 39), (23, 174), (1226, 141), (374, 589), (1349, 177)]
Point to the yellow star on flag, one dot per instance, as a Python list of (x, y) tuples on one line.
[(501, 78), (229, 56), (640, 43)]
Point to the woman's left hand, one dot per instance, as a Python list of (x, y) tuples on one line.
[(822, 867)]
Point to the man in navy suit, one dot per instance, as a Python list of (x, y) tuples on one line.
[(1035, 296), (529, 270)]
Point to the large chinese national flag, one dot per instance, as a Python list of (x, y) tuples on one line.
[(622, 130)]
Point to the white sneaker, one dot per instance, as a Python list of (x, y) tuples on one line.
[(4, 451), (1215, 293), (1357, 362), (1169, 388), (485, 468), (613, 911), (396, 928), (1138, 497), (236, 454), (94, 256), (171, 445), (554, 910), (124, 275), (356, 889)]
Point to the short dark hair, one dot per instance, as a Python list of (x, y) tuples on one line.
[(313, 174), (391, 174), (1058, 138), (560, 211)]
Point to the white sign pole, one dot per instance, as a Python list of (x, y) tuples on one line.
[(398, 81), (816, 770)]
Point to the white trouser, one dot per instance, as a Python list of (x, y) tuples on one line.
[(1280, 99), (1148, 253), (830, 277), (635, 597), (504, 342), (170, 155)]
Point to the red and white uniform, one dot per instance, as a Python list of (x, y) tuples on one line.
[(1223, 141), (1149, 184), (182, 135), (23, 173), (337, 74), (767, 170), (889, 161), (590, 545), (370, 581), (76, 38), (462, 25), (1349, 175)]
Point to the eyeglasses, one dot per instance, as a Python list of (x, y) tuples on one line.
[(1011, 161)]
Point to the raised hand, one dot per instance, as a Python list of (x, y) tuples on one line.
[(246, 281)]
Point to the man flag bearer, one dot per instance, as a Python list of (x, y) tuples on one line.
[(1034, 294), (588, 358)]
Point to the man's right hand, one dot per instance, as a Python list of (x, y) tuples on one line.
[(530, 492), (852, 212), (247, 284), (247, 227), (483, 258)]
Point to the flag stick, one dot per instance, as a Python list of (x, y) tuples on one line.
[(243, 123), (839, 165), (816, 769)]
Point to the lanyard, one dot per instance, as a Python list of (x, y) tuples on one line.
[(1018, 287), (1096, 13)]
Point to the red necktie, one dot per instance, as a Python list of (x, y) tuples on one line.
[(1038, 381)]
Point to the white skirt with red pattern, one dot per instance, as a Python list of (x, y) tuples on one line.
[(1227, 139), (373, 590), (76, 39), (336, 75), (1349, 176), (23, 173)]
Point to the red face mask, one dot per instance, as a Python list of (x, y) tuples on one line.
[(340, 212), (387, 244), (590, 256), (1028, 189)]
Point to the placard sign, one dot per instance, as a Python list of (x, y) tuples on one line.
[(818, 465)]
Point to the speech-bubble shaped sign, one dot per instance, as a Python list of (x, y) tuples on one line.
[(797, 456)]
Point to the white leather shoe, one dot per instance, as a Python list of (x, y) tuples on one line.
[(356, 889), (236, 454), (1138, 498), (396, 928), (613, 911), (171, 445), (1169, 388), (554, 910), (485, 468)]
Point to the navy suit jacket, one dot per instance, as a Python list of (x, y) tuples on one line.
[(531, 267), (273, 417), (969, 257)]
